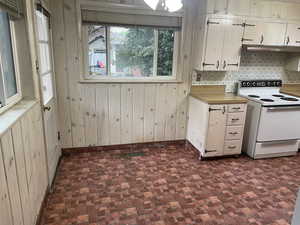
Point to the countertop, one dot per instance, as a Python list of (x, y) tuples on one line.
[(291, 89), (215, 94)]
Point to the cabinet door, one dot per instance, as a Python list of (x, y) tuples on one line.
[(252, 32), (273, 33), (293, 10), (220, 6), (214, 45), (238, 7), (293, 34), (216, 130), (233, 33)]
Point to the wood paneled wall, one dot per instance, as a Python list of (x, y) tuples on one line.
[(119, 113), (23, 173)]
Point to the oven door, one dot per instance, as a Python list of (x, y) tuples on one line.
[(279, 123)]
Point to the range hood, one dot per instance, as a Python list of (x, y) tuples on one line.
[(271, 48)]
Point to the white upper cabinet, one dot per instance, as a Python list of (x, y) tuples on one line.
[(253, 32), (293, 35), (239, 7), (279, 9), (231, 52), (273, 33), (222, 45), (264, 33), (214, 45), (293, 10)]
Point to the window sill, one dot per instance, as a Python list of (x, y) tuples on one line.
[(128, 80), (12, 115)]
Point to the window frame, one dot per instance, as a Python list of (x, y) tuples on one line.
[(11, 101), (86, 77)]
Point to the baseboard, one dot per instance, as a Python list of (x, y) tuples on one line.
[(66, 151)]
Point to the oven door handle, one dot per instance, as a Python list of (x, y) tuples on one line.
[(283, 108)]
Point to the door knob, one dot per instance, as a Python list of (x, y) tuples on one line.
[(47, 108)]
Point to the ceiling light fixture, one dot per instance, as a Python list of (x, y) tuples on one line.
[(169, 5), (152, 3)]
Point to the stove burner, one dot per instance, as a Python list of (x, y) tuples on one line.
[(266, 100), (279, 96), (290, 99), (253, 96)]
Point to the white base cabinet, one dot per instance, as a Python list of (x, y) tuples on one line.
[(216, 130)]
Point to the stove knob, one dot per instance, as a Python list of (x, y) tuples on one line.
[(248, 84)]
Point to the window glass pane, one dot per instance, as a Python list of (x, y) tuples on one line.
[(44, 57), (165, 52), (6, 56), (97, 50), (131, 51)]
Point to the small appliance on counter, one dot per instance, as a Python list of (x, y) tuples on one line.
[(272, 122)]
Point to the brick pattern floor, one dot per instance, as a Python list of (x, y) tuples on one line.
[(167, 185)]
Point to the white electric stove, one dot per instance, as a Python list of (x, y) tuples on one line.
[(273, 119)]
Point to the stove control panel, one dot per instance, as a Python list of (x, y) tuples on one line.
[(260, 83)]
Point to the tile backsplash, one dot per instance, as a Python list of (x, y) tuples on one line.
[(254, 65)]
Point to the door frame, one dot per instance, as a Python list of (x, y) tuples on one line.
[(39, 4)]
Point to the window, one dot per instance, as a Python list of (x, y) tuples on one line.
[(130, 51), (9, 79)]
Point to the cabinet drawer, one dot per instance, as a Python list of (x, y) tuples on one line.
[(235, 119), (232, 147), (236, 108), (234, 133)]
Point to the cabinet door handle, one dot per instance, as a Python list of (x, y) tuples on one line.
[(207, 64), (218, 64), (262, 39), (211, 22), (236, 108), (249, 25), (224, 64), (235, 119), (212, 109), (232, 147), (233, 133), (224, 109), (238, 24), (233, 64), (246, 39), (206, 151), (287, 40)]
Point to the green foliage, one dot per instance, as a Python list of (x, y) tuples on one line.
[(165, 52), (137, 51)]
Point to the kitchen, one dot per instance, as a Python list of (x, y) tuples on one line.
[(149, 112)]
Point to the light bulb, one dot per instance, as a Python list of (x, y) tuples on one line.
[(152, 3), (173, 5)]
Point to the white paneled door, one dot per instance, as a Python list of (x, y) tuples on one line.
[(48, 90)]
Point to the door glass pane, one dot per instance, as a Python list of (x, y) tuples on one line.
[(47, 88), (6, 57), (97, 50), (44, 57), (131, 51), (42, 26)]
